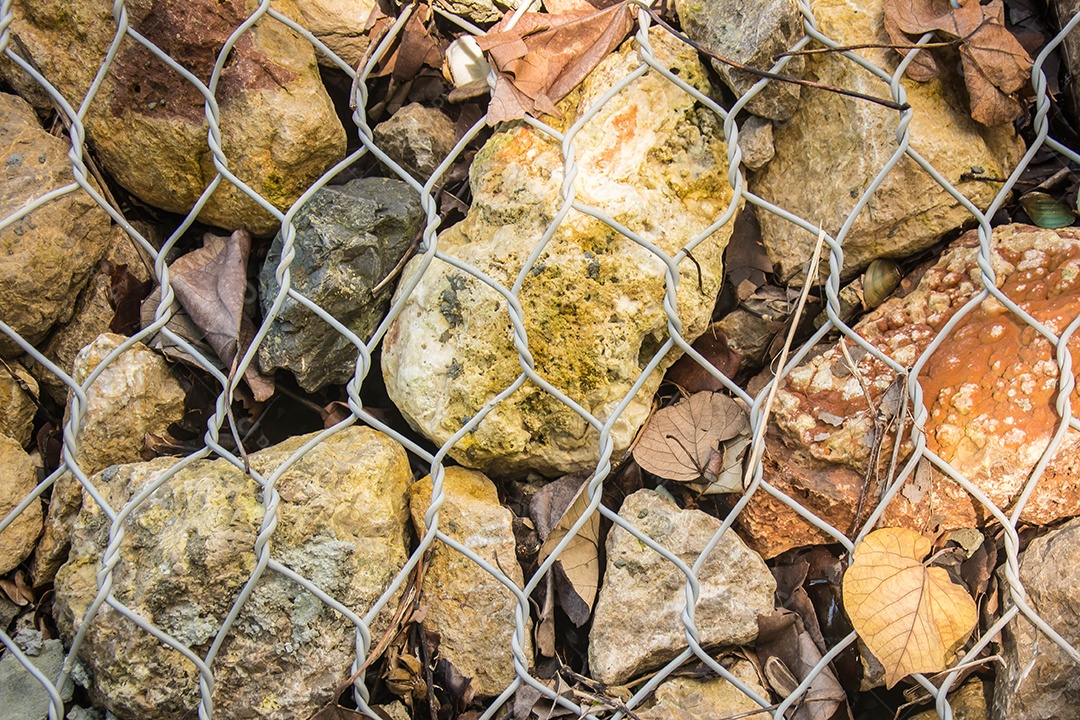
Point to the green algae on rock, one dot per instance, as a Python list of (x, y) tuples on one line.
[(652, 159)]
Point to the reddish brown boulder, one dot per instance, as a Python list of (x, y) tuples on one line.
[(990, 390)]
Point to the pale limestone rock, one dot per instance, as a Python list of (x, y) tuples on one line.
[(834, 146), (93, 314), (340, 24), (134, 396), (19, 479), (990, 390), (682, 698), (279, 130), (48, 255), (470, 609), (642, 585), (188, 551), (18, 402), (753, 38), (756, 143), (592, 303)]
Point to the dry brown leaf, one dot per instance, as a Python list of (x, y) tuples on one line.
[(682, 442), (543, 57), (210, 284), (713, 346), (995, 63), (912, 617), (580, 560)]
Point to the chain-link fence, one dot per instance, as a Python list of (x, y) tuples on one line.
[(677, 266)]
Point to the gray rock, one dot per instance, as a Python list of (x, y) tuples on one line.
[(470, 609), (48, 255), (418, 138), (81, 713), (22, 697), (29, 641), (753, 38), (1040, 681), (348, 239), (188, 550), (820, 172), (8, 611), (279, 130), (756, 143), (19, 477), (640, 584), (592, 303)]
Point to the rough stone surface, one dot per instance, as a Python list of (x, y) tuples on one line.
[(22, 697), (683, 698), (92, 316), (968, 702), (61, 240), (756, 143), (348, 239), (754, 39), (340, 25), (418, 138), (478, 11), (18, 396), (134, 396), (640, 584), (279, 130), (990, 390), (592, 303), (819, 174), (470, 609), (1040, 681), (19, 480), (188, 551)]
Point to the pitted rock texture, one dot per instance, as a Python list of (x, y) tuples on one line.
[(19, 480), (637, 625), (279, 130), (418, 138), (187, 551), (136, 396), (470, 609), (990, 389), (753, 39), (348, 239), (819, 173), (592, 302), (62, 240)]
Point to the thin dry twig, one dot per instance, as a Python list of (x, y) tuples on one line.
[(765, 73)]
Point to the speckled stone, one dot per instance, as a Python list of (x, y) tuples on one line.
[(990, 390), (593, 301), (19, 477), (637, 624), (470, 609), (147, 124), (47, 256), (188, 549)]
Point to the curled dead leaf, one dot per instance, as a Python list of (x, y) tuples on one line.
[(912, 617), (580, 560), (683, 442)]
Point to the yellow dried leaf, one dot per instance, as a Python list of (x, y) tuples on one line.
[(912, 617)]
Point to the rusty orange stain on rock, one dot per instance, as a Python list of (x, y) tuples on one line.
[(990, 390)]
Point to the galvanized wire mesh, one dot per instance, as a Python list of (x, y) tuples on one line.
[(833, 238)]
